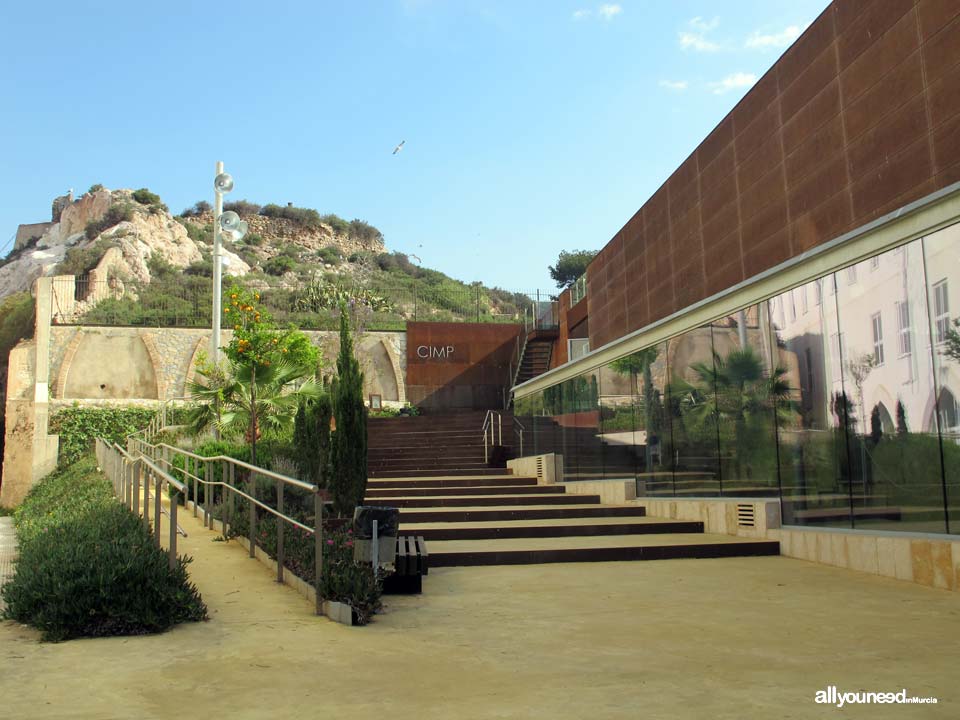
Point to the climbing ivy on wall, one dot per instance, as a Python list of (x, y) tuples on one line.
[(78, 427)]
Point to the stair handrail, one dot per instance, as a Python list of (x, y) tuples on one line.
[(518, 430), (492, 425)]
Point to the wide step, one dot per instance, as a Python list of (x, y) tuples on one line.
[(570, 527), (529, 551)]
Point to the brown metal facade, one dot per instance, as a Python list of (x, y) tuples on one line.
[(859, 117), (459, 365)]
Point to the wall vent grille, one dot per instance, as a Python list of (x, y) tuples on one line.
[(539, 468), (745, 515)]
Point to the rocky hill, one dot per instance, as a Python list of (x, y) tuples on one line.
[(141, 226), (159, 265)]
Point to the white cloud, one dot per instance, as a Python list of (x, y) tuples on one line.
[(732, 82), (696, 37), (580, 14), (608, 12), (677, 85), (760, 41)]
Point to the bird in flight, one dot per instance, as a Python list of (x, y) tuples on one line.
[(399, 147)]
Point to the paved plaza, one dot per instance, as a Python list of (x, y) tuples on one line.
[(719, 638)]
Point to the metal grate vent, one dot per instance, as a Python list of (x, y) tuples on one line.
[(745, 515), (539, 468)]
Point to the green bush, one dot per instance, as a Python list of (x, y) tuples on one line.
[(306, 217), (253, 239), (199, 208), (200, 234), (336, 223), (329, 254), (364, 231), (343, 580), (95, 188), (279, 265), (242, 207), (79, 261), (202, 268), (145, 197), (78, 427), (115, 215), (88, 567)]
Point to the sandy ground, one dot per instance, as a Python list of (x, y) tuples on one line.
[(728, 638)]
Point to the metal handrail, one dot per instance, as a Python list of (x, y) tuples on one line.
[(163, 453), (518, 430), (490, 431), (126, 472)]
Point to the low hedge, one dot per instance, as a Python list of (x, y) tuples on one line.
[(88, 566), (78, 427)]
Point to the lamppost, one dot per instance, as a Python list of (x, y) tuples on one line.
[(226, 224)]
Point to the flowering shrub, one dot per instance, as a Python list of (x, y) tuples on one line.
[(342, 580)]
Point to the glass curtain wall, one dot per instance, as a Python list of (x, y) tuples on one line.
[(840, 396)]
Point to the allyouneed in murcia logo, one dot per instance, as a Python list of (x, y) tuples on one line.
[(832, 696)]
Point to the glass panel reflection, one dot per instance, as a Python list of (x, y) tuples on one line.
[(747, 391), (691, 399)]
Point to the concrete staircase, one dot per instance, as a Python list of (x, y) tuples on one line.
[(430, 445), (502, 519)]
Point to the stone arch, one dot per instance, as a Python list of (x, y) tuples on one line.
[(61, 382), (111, 365), (191, 374), (397, 372)]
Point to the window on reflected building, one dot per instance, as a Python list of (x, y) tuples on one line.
[(903, 327), (877, 323), (941, 310)]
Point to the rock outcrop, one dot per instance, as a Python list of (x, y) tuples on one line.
[(149, 230)]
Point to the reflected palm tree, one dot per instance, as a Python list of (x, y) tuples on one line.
[(641, 363), (734, 397)]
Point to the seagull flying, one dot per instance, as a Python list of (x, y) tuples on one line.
[(399, 147)]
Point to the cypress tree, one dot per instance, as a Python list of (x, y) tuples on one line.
[(348, 483), (311, 439)]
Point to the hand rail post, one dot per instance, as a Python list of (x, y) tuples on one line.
[(146, 498), (318, 547), (226, 505), (207, 497), (280, 532), (233, 484), (156, 508), (174, 502), (252, 491), (196, 485), (136, 488)]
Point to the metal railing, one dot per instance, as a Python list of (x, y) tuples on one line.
[(492, 432), (196, 470), (161, 420), (128, 474), (380, 303), (518, 431)]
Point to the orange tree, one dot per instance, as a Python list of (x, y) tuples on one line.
[(268, 362)]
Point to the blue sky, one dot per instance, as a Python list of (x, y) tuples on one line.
[(530, 127)]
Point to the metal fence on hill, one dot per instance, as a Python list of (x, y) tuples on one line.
[(187, 301)]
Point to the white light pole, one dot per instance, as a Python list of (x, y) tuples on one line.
[(226, 224)]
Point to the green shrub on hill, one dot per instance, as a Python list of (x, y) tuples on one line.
[(242, 207), (306, 217), (115, 215), (145, 197)]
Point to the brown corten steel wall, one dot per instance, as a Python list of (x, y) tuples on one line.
[(472, 376), (859, 117), (559, 355)]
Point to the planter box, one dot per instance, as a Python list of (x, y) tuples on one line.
[(338, 612)]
